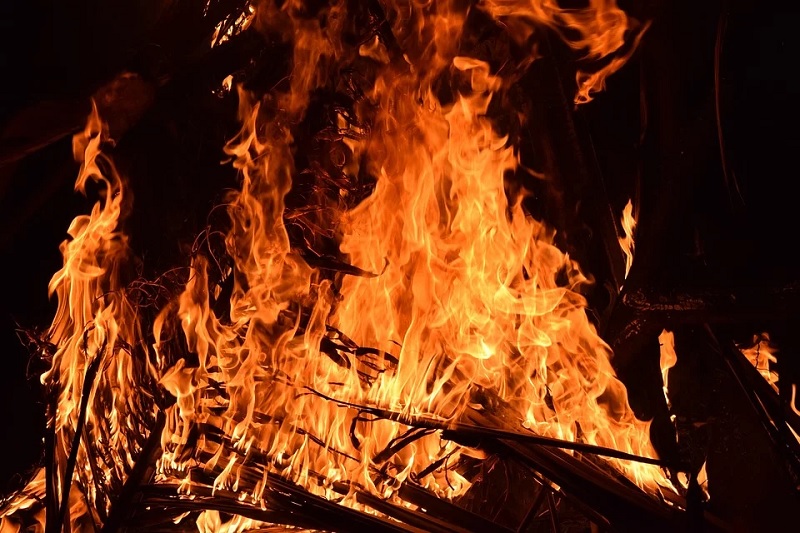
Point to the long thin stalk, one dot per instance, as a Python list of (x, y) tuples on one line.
[(455, 430), (66, 483), (145, 461)]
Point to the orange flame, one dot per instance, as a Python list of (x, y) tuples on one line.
[(761, 353), (599, 30), (627, 242), (97, 363), (702, 480), (668, 358), (230, 27), (471, 305)]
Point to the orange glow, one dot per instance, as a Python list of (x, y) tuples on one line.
[(227, 83), (94, 334)]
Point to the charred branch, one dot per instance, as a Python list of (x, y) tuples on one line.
[(141, 473)]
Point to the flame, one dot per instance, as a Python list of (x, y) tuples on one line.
[(702, 480), (96, 324), (33, 492), (667, 360), (96, 363), (231, 26), (468, 303), (761, 353), (463, 302), (598, 29), (626, 242), (227, 83)]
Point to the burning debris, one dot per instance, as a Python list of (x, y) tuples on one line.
[(372, 321)]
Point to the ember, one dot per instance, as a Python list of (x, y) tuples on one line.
[(380, 315)]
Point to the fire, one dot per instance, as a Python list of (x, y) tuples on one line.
[(667, 360), (231, 26), (455, 301), (599, 30), (465, 302), (626, 242), (96, 363), (761, 353), (95, 333)]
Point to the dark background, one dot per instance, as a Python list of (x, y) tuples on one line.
[(655, 133)]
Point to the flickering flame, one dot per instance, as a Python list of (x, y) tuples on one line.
[(702, 480), (466, 304), (96, 364), (598, 30), (229, 27), (761, 353), (227, 83), (626, 242), (462, 303), (95, 331), (667, 360)]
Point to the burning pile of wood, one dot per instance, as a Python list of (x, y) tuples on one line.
[(378, 328)]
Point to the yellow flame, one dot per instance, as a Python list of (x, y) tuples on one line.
[(95, 333)]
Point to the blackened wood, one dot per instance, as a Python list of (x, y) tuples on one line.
[(142, 469), (460, 431), (50, 466), (641, 313), (584, 212), (771, 411), (530, 516), (63, 515), (718, 420), (448, 512), (555, 525), (418, 520), (623, 507), (284, 500)]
